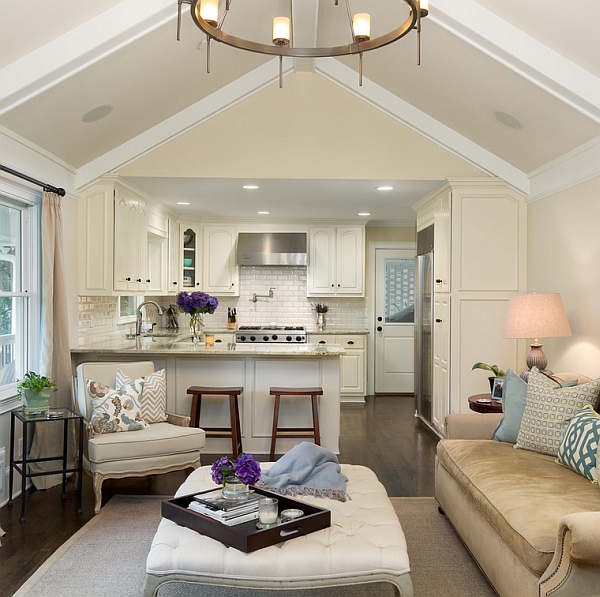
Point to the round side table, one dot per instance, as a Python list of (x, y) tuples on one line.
[(495, 406)]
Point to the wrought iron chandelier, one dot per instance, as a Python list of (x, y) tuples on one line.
[(205, 13)]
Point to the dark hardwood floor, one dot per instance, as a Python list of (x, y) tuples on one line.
[(382, 434)]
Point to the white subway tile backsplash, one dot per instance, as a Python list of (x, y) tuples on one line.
[(289, 305)]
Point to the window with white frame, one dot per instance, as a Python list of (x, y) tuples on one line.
[(19, 296)]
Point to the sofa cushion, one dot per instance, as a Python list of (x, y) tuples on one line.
[(523, 494), (548, 411), (580, 444), (154, 394), (115, 410), (513, 404), (155, 440)]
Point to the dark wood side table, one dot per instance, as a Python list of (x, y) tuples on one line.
[(495, 406), (21, 466)]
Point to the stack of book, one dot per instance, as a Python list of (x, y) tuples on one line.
[(229, 512)]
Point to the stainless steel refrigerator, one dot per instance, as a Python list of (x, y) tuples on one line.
[(423, 325)]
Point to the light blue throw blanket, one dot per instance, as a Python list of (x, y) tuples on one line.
[(307, 469)]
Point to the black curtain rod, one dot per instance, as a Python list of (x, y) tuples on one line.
[(49, 188)]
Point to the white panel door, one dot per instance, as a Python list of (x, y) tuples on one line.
[(394, 325)]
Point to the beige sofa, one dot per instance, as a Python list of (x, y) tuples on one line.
[(532, 525)]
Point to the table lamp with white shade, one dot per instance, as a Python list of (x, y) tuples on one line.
[(536, 316)]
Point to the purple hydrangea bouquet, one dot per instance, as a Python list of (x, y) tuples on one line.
[(196, 304), (236, 475)]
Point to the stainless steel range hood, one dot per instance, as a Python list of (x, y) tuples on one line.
[(271, 248)]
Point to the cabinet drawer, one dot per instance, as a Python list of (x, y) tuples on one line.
[(349, 342)]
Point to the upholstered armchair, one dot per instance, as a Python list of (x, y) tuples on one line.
[(160, 447)]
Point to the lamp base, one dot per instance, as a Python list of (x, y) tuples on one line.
[(525, 374), (536, 358)]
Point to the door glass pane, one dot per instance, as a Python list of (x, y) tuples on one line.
[(399, 291)]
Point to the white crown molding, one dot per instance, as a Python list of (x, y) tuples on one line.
[(521, 53), (79, 48), (184, 121), (416, 120), (570, 169)]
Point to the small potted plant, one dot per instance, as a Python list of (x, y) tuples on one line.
[(35, 391), (498, 373)]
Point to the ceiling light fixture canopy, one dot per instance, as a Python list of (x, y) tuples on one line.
[(205, 13)]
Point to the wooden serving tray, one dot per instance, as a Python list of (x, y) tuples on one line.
[(245, 536)]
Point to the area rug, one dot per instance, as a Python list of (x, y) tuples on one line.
[(108, 556)]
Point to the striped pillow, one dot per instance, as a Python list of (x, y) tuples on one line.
[(154, 395)]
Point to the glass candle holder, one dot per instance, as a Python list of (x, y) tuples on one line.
[(268, 509)]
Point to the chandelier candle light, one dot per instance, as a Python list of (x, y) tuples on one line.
[(205, 14), (196, 304)]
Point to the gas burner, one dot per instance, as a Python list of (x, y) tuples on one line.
[(266, 334)]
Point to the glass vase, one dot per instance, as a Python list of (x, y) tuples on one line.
[(234, 488), (320, 321), (197, 327)]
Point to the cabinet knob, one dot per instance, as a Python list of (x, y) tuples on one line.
[(139, 280), (438, 281), (174, 283), (379, 328), (148, 280), (322, 342), (127, 279), (350, 342), (438, 321), (197, 283), (379, 319)]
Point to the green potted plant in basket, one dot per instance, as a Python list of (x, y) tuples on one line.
[(35, 391), (498, 373)]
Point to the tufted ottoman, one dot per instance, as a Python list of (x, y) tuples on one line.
[(364, 544)]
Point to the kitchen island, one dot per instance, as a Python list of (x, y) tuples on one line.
[(254, 367)]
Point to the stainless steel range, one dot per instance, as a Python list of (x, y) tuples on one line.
[(262, 333)]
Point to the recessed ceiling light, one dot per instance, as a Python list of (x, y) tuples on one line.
[(264, 213), (508, 120), (250, 186), (182, 203), (364, 213), (385, 188), (97, 113)]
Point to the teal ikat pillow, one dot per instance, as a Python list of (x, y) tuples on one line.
[(579, 448)]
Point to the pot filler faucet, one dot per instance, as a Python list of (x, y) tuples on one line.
[(138, 321)]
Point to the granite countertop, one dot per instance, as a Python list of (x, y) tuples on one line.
[(334, 332), (181, 344)]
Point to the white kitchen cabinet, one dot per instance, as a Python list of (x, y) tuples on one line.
[(353, 364), (190, 243), (480, 260), (175, 272), (220, 272), (336, 265), (113, 244), (441, 360), (130, 243), (158, 264)]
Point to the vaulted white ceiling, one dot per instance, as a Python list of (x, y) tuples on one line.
[(538, 63)]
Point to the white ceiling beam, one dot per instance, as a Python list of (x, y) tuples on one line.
[(306, 20), (521, 53), (421, 123), (183, 121), (79, 48)]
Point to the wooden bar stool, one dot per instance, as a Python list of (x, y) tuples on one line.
[(235, 430), (308, 432)]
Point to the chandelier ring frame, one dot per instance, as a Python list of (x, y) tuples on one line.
[(357, 47)]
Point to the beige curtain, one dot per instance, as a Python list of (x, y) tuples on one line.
[(55, 359)]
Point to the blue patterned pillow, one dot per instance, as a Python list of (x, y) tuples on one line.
[(580, 444)]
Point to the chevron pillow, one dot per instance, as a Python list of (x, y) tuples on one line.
[(154, 395), (580, 444)]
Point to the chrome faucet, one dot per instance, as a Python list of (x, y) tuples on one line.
[(138, 322)]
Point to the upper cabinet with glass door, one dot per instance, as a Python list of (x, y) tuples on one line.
[(191, 263)]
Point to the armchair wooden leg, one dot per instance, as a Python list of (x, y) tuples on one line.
[(97, 483)]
